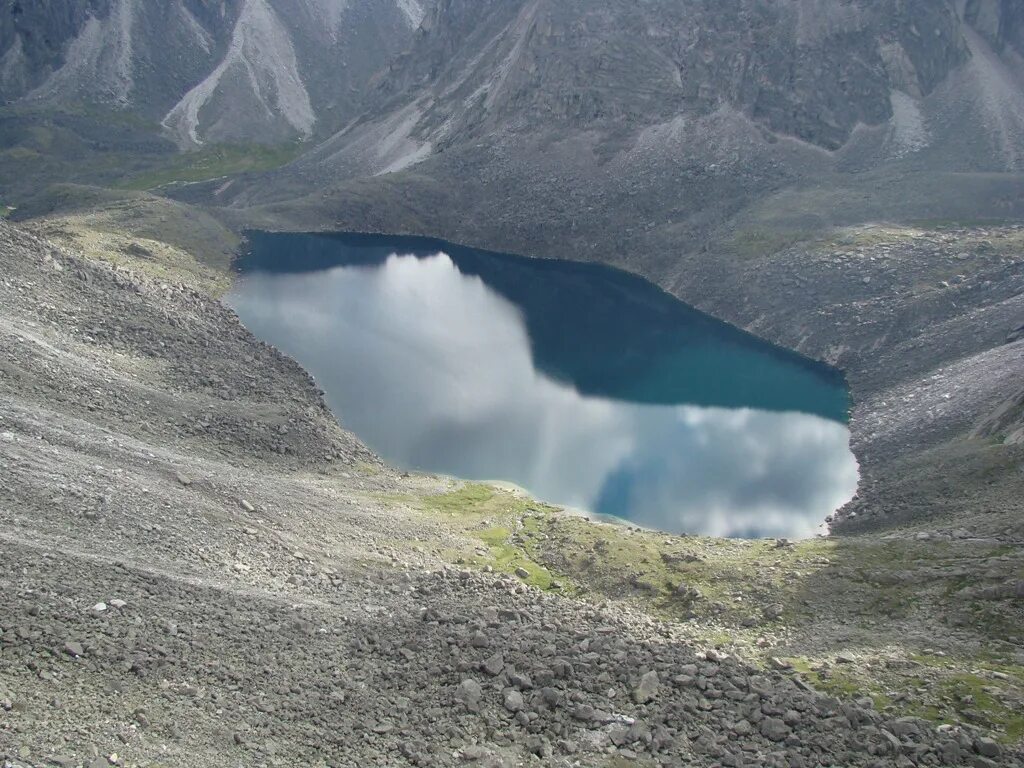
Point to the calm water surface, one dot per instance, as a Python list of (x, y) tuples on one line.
[(588, 387)]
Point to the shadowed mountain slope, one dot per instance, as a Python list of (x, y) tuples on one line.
[(231, 70)]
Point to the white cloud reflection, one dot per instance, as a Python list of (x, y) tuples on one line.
[(433, 370)]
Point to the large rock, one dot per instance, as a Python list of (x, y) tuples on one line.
[(774, 729), (513, 700), (469, 692), (987, 747), (647, 689)]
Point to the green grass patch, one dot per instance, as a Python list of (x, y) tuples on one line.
[(841, 683), (22, 154), (211, 163), (978, 699), (736, 579), (470, 499), (71, 112), (968, 688), (501, 521), (753, 243), (505, 557), (495, 537)]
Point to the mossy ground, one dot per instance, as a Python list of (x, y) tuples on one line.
[(160, 238), (501, 525), (853, 616), (209, 163), (757, 242), (42, 146)]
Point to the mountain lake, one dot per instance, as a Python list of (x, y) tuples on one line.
[(586, 386)]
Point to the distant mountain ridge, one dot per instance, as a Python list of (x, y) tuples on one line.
[(261, 71), (671, 116), (818, 71), (271, 71)]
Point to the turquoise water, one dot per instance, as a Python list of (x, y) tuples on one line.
[(586, 386)]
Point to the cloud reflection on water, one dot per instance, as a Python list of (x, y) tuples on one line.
[(433, 370)]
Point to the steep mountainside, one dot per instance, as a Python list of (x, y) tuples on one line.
[(229, 70), (1000, 21), (650, 126), (837, 86)]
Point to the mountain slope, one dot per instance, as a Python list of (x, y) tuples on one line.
[(808, 70), (203, 568), (619, 121), (239, 70), (259, 75), (652, 136)]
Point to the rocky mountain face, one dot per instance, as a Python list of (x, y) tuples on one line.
[(873, 81), (1001, 22), (653, 135), (228, 70), (821, 72), (813, 70)]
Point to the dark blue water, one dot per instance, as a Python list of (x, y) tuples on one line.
[(586, 386)]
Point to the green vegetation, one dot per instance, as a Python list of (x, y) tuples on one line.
[(866, 237), (936, 689), (167, 240), (493, 517), (763, 242), (44, 146), (81, 113), (85, 145), (973, 688), (6, 211), (736, 580), (471, 499), (836, 683), (211, 163), (675, 577)]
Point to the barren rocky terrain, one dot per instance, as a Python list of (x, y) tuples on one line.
[(203, 568)]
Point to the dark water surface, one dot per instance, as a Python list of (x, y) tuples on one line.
[(586, 386)]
